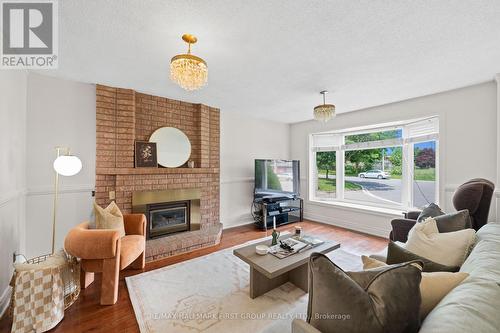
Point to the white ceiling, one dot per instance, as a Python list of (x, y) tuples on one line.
[(271, 58)]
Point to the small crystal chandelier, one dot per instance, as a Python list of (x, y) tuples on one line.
[(187, 70), (324, 112)]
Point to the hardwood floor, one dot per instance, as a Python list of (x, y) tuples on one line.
[(86, 315)]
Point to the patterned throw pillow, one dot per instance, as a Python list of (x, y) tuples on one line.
[(363, 301), (109, 218)]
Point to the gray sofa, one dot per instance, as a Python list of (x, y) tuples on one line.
[(474, 305)]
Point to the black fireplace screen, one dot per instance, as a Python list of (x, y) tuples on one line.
[(167, 218)]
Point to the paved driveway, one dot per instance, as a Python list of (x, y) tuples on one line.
[(388, 191)]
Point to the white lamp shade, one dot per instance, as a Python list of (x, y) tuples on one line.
[(67, 165)]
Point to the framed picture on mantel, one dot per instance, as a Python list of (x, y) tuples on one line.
[(145, 154)]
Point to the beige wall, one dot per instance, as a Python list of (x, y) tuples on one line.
[(468, 129), (12, 173)]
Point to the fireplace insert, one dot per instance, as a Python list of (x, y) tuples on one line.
[(167, 218)]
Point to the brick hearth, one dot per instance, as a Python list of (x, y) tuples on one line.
[(123, 116)]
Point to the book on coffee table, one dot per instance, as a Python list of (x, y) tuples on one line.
[(295, 246), (309, 240)]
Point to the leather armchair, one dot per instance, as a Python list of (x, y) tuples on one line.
[(402, 226), (102, 250), (474, 195)]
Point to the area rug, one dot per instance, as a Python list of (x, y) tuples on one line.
[(211, 294)]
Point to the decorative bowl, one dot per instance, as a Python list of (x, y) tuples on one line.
[(261, 249)]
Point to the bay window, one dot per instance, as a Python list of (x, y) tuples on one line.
[(385, 166)]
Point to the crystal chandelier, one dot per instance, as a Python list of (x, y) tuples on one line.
[(324, 112), (187, 70)]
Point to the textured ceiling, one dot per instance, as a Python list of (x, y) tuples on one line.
[(271, 58)]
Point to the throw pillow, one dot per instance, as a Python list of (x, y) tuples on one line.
[(450, 248), (454, 221), (397, 254), (431, 210), (433, 287), (109, 218), (363, 301)]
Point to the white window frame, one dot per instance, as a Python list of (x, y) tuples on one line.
[(408, 145)]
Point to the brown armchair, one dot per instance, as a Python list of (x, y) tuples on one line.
[(102, 250), (474, 195)]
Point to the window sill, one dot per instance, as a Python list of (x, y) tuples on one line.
[(358, 207)]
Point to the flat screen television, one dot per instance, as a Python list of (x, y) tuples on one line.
[(277, 178)]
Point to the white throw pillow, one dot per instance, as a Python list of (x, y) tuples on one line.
[(449, 248)]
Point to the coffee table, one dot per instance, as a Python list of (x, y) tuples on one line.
[(268, 272)]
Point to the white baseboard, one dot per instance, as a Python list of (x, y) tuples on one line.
[(5, 300), (239, 224), (351, 225)]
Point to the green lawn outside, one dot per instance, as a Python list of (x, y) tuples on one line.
[(328, 185), (421, 174), (425, 174), (322, 172)]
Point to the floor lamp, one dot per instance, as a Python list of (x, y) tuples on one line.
[(67, 165)]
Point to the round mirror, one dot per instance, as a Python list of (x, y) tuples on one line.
[(172, 146)]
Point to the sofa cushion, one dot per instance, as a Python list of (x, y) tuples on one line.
[(433, 287), (368, 298), (397, 254), (484, 261), (450, 248), (431, 210), (470, 307), (454, 221), (490, 231), (131, 247)]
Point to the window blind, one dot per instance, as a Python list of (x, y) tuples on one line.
[(417, 131), (374, 144), (423, 130), (326, 141)]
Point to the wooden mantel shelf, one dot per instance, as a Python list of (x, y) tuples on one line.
[(154, 171)]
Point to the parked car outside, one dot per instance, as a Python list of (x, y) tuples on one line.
[(378, 174)]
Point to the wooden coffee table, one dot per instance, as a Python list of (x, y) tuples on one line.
[(268, 272)]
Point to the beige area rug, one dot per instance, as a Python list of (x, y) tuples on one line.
[(210, 294)]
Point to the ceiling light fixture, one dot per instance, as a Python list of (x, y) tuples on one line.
[(187, 70), (324, 112)]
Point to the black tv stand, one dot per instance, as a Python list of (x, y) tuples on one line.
[(286, 209)]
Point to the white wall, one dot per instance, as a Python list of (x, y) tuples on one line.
[(12, 173), (60, 113), (468, 129), (244, 139)]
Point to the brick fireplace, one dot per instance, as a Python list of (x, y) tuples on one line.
[(124, 116)]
